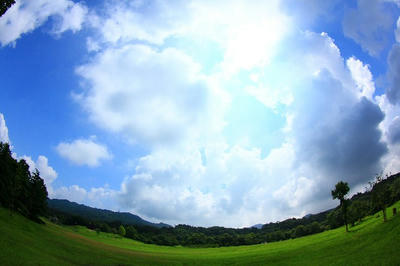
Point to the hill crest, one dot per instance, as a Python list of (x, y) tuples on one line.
[(73, 208)]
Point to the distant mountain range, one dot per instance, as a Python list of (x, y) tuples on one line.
[(72, 208)]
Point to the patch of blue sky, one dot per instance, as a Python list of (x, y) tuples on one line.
[(40, 109), (35, 101)]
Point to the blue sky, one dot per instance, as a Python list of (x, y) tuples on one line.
[(202, 112)]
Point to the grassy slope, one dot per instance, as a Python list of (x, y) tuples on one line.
[(23, 242)]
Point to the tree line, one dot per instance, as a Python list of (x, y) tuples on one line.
[(382, 192), (21, 191), (186, 235), (25, 192)]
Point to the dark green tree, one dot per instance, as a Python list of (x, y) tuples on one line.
[(131, 232), (4, 5), (335, 218), (381, 195), (8, 166), (357, 210), (21, 189), (314, 228), (300, 231), (38, 195), (340, 191), (104, 227), (395, 189)]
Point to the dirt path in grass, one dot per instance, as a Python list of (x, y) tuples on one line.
[(103, 246)]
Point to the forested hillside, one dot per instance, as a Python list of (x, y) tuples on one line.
[(25, 192), (20, 190), (381, 193), (371, 243), (58, 207)]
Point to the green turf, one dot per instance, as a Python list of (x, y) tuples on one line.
[(23, 242)]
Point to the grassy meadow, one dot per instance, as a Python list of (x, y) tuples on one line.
[(23, 242)]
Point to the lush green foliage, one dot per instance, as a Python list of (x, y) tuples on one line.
[(22, 242), (358, 210), (20, 190), (391, 183), (381, 195), (358, 207), (340, 191), (103, 242), (216, 236)]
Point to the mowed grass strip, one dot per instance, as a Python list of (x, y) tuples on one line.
[(23, 242)]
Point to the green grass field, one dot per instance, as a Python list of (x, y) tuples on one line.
[(23, 242)]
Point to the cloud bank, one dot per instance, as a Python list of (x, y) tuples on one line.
[(47, 173), (148, 88), (206, 180), (243, 113)]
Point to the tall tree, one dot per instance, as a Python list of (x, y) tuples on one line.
[(7, 173), (38, 193), (4, 5), (22, 188), (340, 191)]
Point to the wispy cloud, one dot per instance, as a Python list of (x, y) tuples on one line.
[(25, 16)]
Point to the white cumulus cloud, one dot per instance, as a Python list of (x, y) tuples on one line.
[(362, 76), (151, 21), (72, 18), (247, 33), (100, 197), (390, 127), (296, 192), (216, 187), (84, 152), (26, 15), (46, 171), (148, 96), (157, 94), (3, 130), (73, 193)]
